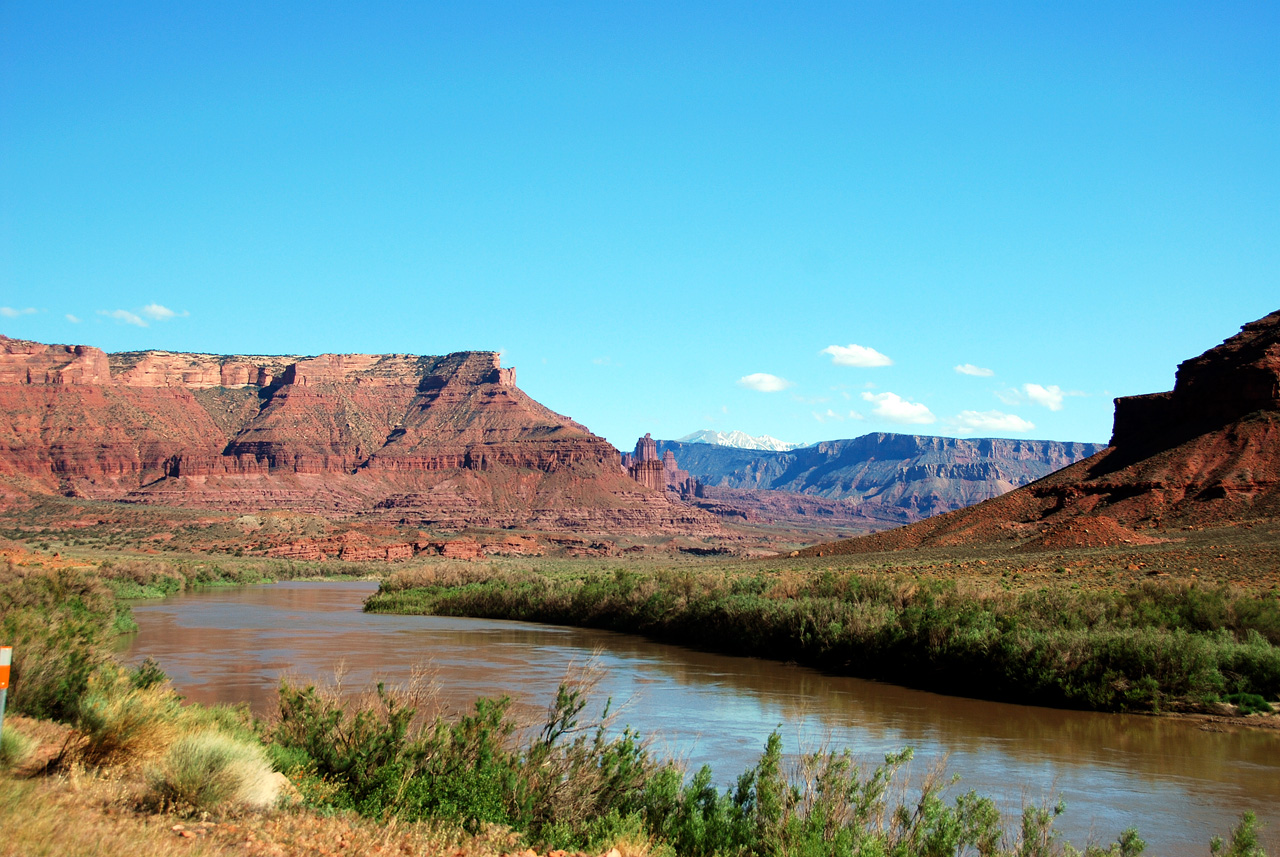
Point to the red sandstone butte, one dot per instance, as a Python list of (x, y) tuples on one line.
[(447, 441), (1207, 452)]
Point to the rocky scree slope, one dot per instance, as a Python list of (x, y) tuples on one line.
[(875, 481), (432, 440), (1206, 453)]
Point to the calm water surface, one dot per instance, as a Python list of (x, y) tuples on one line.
[(1178, 784)]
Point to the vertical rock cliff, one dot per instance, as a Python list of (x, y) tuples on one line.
[(432, 439)]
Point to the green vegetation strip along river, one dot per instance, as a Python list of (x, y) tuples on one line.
[(1151, 647)]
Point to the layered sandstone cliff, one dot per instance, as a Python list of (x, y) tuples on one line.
[(1205, 453), (447, 440)]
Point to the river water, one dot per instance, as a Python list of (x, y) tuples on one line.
[(1176, 782)]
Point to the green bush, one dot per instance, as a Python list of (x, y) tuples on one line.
[(1249, 703), (560, 780), (1243, 842), (59, 624)]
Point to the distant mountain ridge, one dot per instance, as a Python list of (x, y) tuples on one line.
[(739, 440), (886, 478)]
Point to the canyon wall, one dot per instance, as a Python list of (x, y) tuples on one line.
[(448, 440)]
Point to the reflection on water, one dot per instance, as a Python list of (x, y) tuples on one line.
[(1179, 785)]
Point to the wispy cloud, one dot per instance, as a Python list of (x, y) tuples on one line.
[(831, 415), (764, 382), (73, 319), (856, 355), (10, 312), (152, 311), (895, 409), (156, 312), (1011, 396), (970, 421), (1050, 397), (970, 369), (123, 315)]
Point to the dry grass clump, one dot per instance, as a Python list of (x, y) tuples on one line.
[(15, 748), (209, 769), (120, 724)]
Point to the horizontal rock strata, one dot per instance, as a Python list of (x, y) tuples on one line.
[(433, 440)]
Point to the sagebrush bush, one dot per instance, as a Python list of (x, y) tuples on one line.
[(476, 769), (208, 770)]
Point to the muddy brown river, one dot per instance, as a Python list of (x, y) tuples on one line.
[(1176, 782)]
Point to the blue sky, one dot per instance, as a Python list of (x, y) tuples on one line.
[(795, 218)]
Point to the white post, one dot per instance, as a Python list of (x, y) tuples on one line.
[(6, 657)]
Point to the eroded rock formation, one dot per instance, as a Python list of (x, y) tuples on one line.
[(443, 440)]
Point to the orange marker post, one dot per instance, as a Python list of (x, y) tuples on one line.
[(6, 658)]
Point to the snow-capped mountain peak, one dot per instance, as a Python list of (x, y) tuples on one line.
[(739, 439)]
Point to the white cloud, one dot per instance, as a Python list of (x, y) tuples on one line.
[(894, 408), (856, 355), (155, 312), (970, 369), (854, 415), (125, 316), (764, 382), (1011, 396), (990, 421), (828, 416), (73, 319), (10, 312), (1050, 397)]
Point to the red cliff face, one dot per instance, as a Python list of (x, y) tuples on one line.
[(448, 440), (1239, 377), (1205, 453)]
